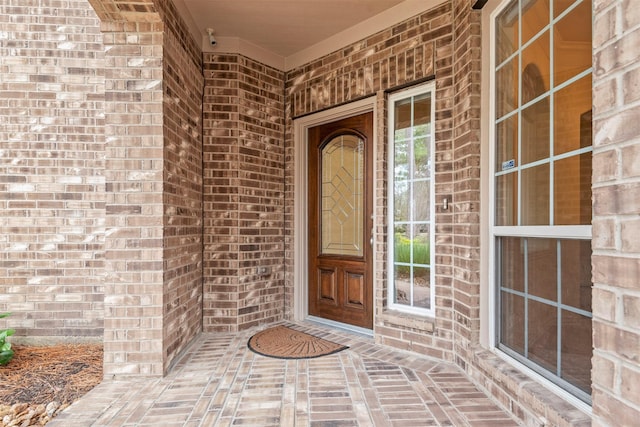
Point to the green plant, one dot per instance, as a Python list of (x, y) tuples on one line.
[(402, 250), (6, 353)]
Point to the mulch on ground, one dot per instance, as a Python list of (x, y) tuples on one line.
[(43, 374)]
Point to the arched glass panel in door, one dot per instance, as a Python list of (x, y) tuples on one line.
[(342, 197)]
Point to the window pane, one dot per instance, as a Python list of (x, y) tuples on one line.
[(402, 285), (507, 32), (560, 6), (506, 199), (507, 143), (535, 196), (401, 158), (402, 265), (535, 16), (507, 88), (572, 43), (512, 263), (403, 115), (542, 268), (421, 161), (421, 113), (572, 190), (572, 116), (401, 201), (535, 131), (421, 201), (421, 287), (535, 66), (512, 321), (576, 273), (576, 350), (543, 334), (420, 244), (402, 246)]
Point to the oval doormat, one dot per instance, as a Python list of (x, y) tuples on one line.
[(283, 342)]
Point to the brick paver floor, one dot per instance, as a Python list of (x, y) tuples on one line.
[(220, 382)]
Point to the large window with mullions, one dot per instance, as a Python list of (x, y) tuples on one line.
[(542, 187)]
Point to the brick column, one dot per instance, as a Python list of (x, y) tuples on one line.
[(133, 336), (466, 178), (616, 205)]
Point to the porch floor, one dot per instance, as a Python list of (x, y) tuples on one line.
[(220, 382)]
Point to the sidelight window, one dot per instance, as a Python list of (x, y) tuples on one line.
[(411, 188)]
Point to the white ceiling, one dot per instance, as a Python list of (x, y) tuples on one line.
[(284, 29)]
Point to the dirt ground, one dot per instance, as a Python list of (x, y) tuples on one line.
[(41, 381)]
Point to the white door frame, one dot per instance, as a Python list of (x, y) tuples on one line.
[(300, 211)]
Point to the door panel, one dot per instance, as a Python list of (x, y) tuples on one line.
[(328, 287), (354, 282), (340, 212)]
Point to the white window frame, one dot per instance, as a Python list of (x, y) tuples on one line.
[(404, 94), (583, 232)]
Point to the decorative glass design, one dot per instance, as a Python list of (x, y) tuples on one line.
[(342, 196)]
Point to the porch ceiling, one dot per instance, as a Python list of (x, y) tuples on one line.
[(285, 28)]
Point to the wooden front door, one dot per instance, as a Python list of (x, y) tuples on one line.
[(340, 221)]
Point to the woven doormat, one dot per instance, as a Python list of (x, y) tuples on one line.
[(283, 342)]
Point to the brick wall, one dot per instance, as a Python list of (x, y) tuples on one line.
[(183, 84), (154, 191), (243, 193), (412, 50), (466, 179), (52, 217), (616, 205), (133, 338), (101, 131)]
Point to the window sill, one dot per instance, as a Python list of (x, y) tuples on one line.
[(423, 323), (528, 398)]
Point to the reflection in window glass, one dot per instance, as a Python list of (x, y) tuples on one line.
[(507, 144), (559, 6), (576, 273), (506, 195), (535, 196), (576, 350), (411, 231), (572, 190), (535, 16), (542, 180), (512, 333), (536, 68), (542, 339), (511, 252), (507, 96), (507, 32), (535, 131), (534, 324), (542, 268), (571, 44), (572, 116)]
